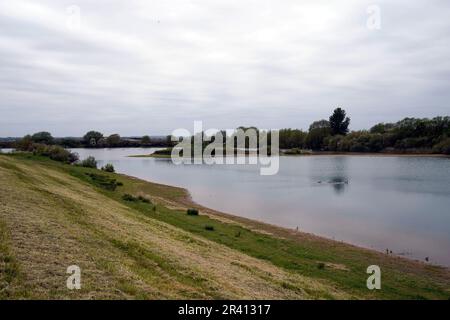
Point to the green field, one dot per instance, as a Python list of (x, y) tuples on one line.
[(145, 246)]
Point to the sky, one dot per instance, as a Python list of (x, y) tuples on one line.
[(150, 67)]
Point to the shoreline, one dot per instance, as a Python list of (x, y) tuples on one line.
[(326, 153), (371, 154)]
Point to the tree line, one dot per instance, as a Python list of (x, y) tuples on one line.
[(410, 135), (92, 139)]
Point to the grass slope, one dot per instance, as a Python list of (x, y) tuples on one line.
[(54, 215)]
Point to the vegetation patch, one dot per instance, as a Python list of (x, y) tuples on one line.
[(89, 162), (108, 168), (144, 199), (129, 197), (103, 181), (192, 212)]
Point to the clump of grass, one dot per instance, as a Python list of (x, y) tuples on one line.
[(192, 212), (321, 266), (129, 197), (103, 181), (119, 184), (209, 227), (144, 199)]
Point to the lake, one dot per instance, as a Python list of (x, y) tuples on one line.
[(395, 202)]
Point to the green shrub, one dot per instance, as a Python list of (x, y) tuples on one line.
[(53, 152), (119, 183), (321, 266), (192, 212), (108, 168), (209, 227), (129, 197), (60, 154), (89, 162), (103, 181)]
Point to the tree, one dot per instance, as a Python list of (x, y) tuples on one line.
[(146, 140), (381, 128), (315, 138), (319, 124), (169, 141), (291, 138), (92, 138), (113, 140), (42, 137), (339, 122)]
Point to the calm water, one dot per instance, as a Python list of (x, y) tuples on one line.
[(400, 203)]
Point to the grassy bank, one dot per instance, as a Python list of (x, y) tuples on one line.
[(54, 215)]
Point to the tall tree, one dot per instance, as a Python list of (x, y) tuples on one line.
[(113, 140), (320, 124), (92, 138), (339, 122), (146, 140), (42, 137)]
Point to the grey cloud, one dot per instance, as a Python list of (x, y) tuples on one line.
[(148, 67)]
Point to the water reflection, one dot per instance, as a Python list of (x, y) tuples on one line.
[(339, 184), (331, 171)]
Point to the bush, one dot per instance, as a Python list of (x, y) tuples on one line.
[(108, 168), (144, 199), (89, 162), (209, 227), (56, 153), (321, 266), (192, 212), (129, 197), (103, 181)]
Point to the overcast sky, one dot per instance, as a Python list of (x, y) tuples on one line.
[(149, 67)]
